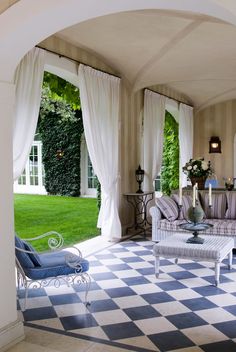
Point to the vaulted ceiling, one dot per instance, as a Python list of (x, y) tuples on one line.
[(192, 54)]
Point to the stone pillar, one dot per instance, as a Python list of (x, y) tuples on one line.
[(11, 329)]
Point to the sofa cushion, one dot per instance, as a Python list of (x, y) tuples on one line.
[(165, 224), (231, 203), (186, 203), (218, 209), (168, 207), (220, 226)]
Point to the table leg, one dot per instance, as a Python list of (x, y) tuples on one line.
[(157, 265), (230, 257), (217, 273), (139, 202)]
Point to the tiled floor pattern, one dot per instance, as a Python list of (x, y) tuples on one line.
[(132, 310)]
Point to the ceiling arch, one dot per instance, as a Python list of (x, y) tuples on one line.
[(28, 22), (189, 53), (182, 45)]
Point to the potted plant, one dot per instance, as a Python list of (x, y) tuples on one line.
[(197, 171)]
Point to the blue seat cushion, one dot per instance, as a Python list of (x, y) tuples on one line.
[(54, 264)]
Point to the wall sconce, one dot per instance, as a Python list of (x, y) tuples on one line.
[(139, 173), (59, 154), (215, 145)]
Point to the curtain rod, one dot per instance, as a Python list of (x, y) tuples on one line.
[(73, 60), (178, 101), (80, 62)]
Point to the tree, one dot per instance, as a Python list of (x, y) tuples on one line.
[(58, 89)]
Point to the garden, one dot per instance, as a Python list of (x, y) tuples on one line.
[(73, 217)]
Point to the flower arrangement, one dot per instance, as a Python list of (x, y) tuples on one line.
[(198, 168)]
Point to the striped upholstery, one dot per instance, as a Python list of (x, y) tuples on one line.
[(168, 208), (220, 226), (187, 202), (231, 202), (218, 209)]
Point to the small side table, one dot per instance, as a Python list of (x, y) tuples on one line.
[(139, 202)]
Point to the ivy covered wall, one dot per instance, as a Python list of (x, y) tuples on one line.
[(60, 128), (170, 161)]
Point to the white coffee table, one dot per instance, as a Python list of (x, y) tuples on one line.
[(214, 249)]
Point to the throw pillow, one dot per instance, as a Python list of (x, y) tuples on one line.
[(231, 202), (168, 207), (218, 209), (23, 257), (187, 201), (33, 256)]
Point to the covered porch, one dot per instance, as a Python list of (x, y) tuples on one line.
[(182, 50)]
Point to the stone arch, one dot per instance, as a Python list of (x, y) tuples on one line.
[(26, 20)]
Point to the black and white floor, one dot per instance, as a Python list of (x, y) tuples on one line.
[(131, 310)]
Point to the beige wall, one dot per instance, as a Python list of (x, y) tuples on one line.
[(217, 120)]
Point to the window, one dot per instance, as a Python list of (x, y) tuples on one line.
[(89, 181), (33, 177), (22, 178), (157, 184), (92, 178), (33, 166)]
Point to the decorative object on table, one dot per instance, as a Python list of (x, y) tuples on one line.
[(197, 171), (215, 145), (229, 183), (139, 173), (195, 214), (213, 181), (195, 228)]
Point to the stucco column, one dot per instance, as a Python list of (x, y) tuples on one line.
[(11, 330)]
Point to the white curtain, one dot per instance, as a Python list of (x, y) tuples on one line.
[(100, 96), (154, 117), (28, 81), (185, 138)]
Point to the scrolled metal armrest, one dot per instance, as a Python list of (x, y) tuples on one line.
[(73, 260), (53, 242)]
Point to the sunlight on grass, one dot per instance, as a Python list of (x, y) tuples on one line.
[(75, 218)]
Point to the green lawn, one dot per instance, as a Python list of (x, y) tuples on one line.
[(74, 218)]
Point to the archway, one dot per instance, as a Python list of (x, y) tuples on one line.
[(35, 22)]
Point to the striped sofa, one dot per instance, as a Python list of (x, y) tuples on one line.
[(167, 215)]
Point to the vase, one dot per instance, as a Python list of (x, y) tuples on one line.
[(195, 214), (199, 180)]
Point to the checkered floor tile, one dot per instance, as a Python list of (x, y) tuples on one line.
[(132, 309)]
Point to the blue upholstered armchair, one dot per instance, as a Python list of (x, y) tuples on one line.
[(58, 266)]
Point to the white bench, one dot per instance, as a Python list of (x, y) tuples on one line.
[(214, 249)]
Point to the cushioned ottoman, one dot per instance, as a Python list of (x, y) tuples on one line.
[(214, 249)]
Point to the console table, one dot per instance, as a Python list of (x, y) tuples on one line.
[(139, 202)]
